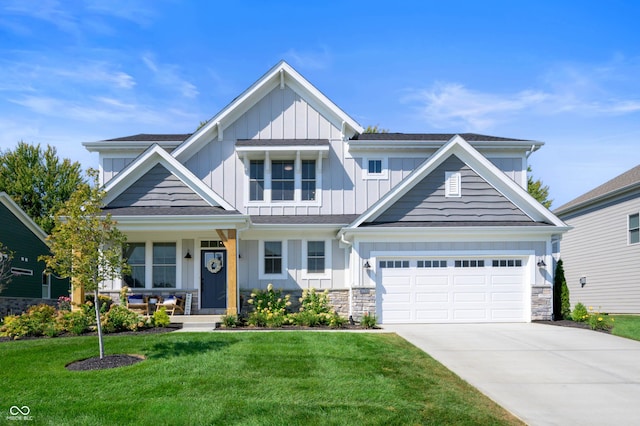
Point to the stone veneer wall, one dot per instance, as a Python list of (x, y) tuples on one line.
[(541, 303), (363, 300), (18, 305)]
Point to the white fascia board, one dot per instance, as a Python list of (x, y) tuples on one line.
[(23, 217), (108, 146), (290, 233), (324, 149), (394, 145), (453, 234), (179, 223), (481, 165), (156, 155), (254, 94)]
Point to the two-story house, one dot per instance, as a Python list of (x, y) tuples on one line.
[(283, 187)]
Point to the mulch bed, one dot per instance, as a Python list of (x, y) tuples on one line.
[(109, 361), (569, 323)]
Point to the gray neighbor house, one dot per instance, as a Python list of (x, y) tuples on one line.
[(283, 187), (601, 254)]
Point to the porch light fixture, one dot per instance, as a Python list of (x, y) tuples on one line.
[(366, 265), (188, 255), (541, 263)]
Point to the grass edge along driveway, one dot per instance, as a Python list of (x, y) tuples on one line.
[(279, 378)]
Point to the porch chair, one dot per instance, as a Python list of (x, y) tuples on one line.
[(138, 303), (172, 304)]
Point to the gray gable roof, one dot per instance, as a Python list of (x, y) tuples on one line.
[(146, 137), (469, 137), (626, 181), (168, 211)]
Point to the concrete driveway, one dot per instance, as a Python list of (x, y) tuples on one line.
[(544, 374)]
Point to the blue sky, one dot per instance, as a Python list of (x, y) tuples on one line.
[(562, 72)]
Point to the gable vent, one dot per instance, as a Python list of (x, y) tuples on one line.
[(453, 187)]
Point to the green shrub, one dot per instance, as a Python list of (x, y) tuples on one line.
[(315, 302), (119, 318), (230, 320), (105, 303), (76, 322), (160, 318), (306, 318), (599, 321), (39, 320), (561, 301), (580, 313), (368, 321), (270, 308), (336, 321)]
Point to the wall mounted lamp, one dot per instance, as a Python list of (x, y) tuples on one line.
[(583, 281), (366, 265), (188, 255), (541, 263)]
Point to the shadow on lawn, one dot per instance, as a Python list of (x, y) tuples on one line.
[(175, 349)]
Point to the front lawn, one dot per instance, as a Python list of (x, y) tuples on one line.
[(627, 326), (278, 378)]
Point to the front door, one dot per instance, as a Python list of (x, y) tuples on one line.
[(214, 279)]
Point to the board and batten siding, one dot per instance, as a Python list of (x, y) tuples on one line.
[(598, 249), (426, 201), (112, 166), (158, 188), (249, 264)]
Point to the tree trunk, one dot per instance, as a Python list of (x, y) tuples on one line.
[(97, 306)]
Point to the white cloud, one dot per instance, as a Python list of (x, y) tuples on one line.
[(570, 90), (168, 76)]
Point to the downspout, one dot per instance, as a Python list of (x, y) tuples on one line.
[(349, 244)]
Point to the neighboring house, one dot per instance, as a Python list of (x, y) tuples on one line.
[(601, 254), (283, 187), (29, 283)]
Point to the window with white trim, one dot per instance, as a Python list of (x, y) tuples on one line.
[(46, 285), (375, 168), (282, 180), (256, 180), (273, 259), (453, 184), (432, 264), (164, 265), (135, 255), (394, 264), (316, 259), (308, 191), (634, 228)]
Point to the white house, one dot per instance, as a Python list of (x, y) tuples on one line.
[(283, 187)]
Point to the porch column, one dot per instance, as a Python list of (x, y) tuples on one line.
[(231, 244)]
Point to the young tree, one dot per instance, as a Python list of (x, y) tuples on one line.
[(375, 129), (38, 181), (85, 245), (539, 191), (6, 256), (561, 301)]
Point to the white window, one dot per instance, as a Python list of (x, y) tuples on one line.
[(396, 264), (46, 285), (453, 186), (432, 264), (283, 181), (316, 258), (634, 228), (471, 263), (164, 265), (135, 255), (506, 263), (375, 168), (273, 260)]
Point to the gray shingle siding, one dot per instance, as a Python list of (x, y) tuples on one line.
[(158, 188), (426, 201)]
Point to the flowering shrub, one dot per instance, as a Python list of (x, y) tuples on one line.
[(64, 303), (270, 308), (73, 322), (599, 321), (161, 318), (230, 320), (38, 320)]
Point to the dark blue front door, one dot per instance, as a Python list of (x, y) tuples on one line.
[(214, 279)]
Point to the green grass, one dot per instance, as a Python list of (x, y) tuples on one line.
[(627, 326), (280, 378)]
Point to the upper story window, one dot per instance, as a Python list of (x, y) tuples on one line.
[(634, 228), (256, 180), (308, 191), (282, 180), (375, 168), (453, 184)]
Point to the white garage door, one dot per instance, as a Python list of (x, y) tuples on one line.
[(451, 290)]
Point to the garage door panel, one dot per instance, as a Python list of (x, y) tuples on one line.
[(452, 294)]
